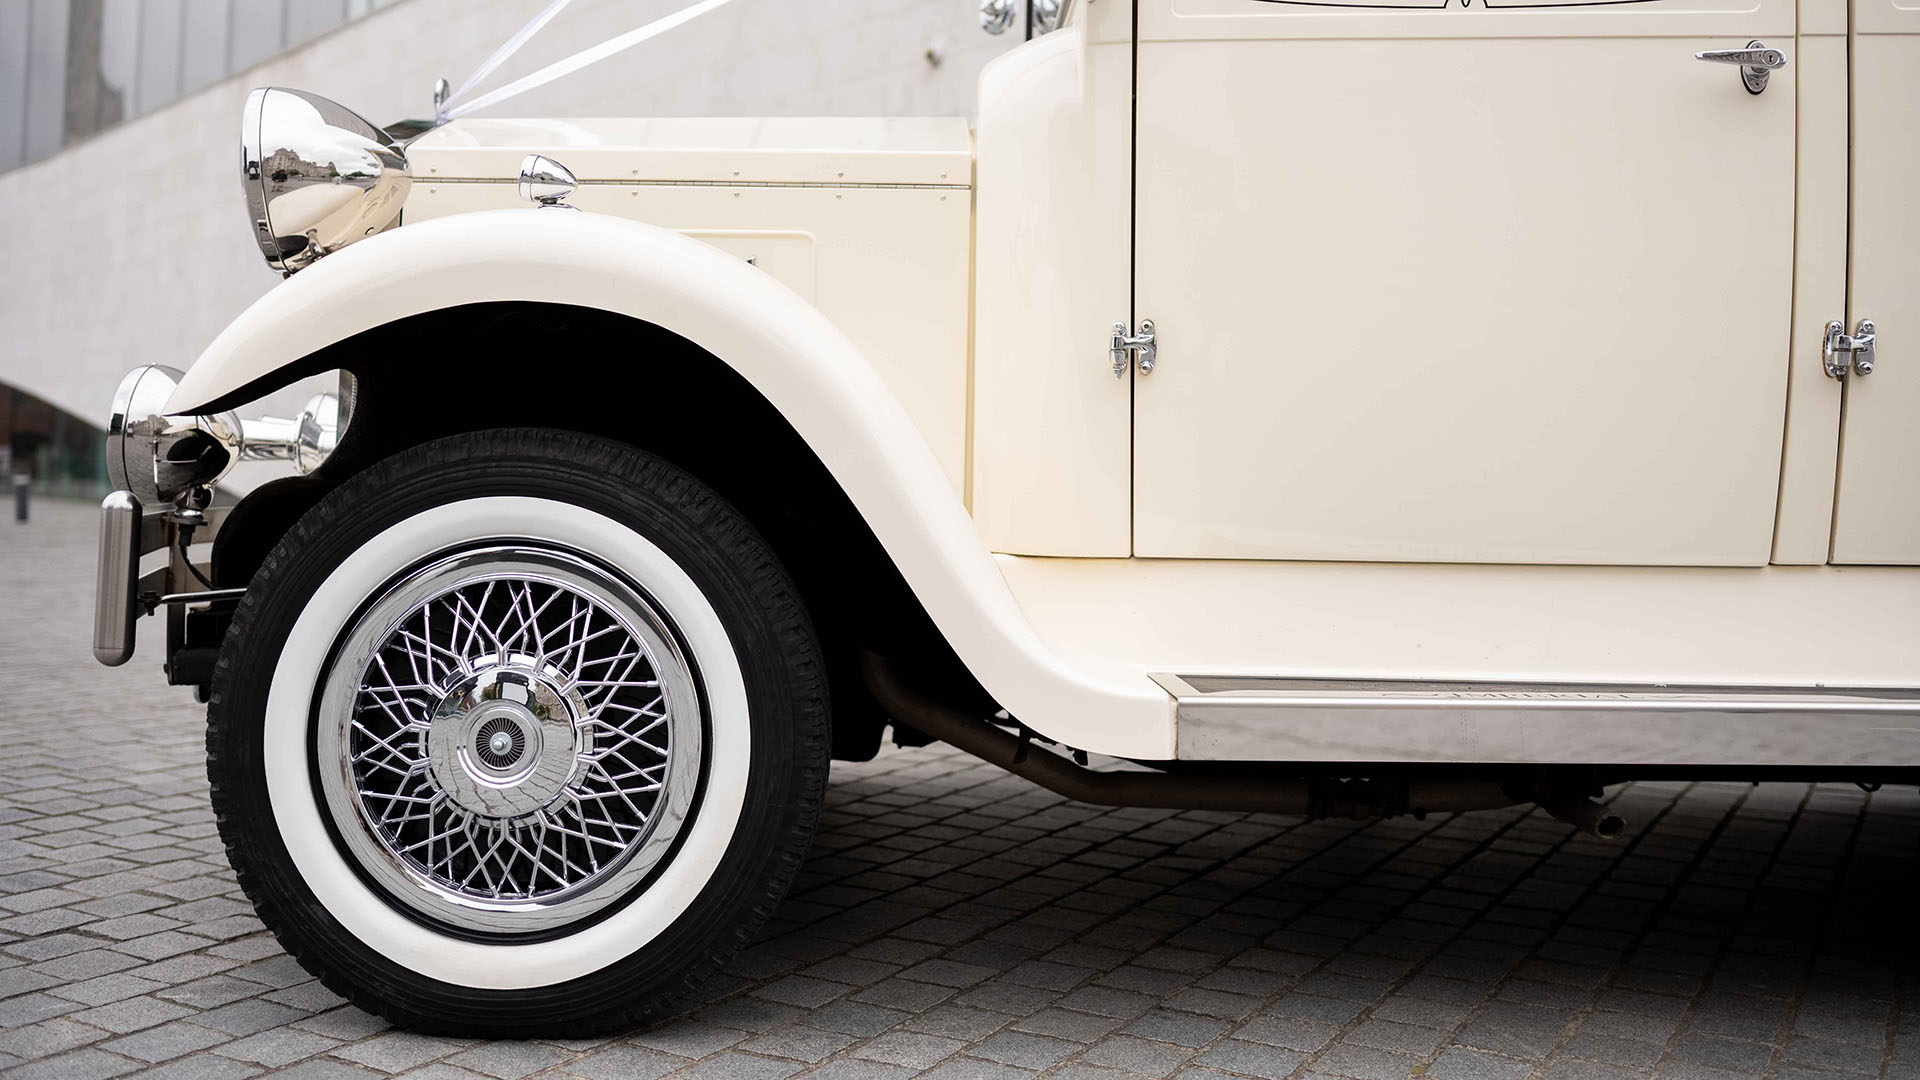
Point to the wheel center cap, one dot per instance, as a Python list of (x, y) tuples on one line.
[(502, 743)]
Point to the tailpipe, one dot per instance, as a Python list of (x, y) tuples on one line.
[(1582, 813)]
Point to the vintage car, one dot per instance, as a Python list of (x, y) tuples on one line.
[(1392, 406)]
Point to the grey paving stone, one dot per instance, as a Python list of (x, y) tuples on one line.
[(84, 1064), (33, 1008), (1720, 1053), (1177, 1028), (624, 1063), (509, 1060), (278, 1046), (1364, 1063), (166, 1042), (1023, 1049), (1287, 1032), (1458, 1063), (1648, 1029), (308, 997), (1831, 1054), (1399, 1038), (1067, 1024), (735, 1065), (47, 1037), (1615, 1051), (960, 923), (750, 1014), (441, 1070), (858, 1069), (904, 994), (135, 1013), (803, 991), (248, 1016), (909, 1048), (689, 1038), (326, 1069), (956, 1021), (797, 1041), (200, 1067), (346, 1024), (1518, 1031), (1314, 1007), (1143, 1056), (856, 1018), (397, 1051), (211, 992), (1252, 1059)]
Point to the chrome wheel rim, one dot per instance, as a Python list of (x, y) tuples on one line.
[(509, 739)]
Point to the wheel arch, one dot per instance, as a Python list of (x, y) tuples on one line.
[(686, 407), (582, 322)]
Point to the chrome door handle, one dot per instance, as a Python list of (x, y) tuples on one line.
[(1755, 61)]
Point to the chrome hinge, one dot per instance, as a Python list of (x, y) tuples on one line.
[(1859, 348), (1122, 344)]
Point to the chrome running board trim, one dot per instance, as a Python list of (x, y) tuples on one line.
[(1272, 718)]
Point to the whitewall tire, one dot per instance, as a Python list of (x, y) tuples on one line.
[(518, 732)]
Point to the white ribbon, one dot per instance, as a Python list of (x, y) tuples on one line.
[(500, 55), (571, 64)]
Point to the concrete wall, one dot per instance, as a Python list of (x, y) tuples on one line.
[(133, 247)]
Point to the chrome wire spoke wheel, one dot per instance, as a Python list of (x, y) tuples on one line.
[(510, 739)]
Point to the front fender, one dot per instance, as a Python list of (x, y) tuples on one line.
[(791, 353)]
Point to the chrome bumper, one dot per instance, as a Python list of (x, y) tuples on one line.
[(117, 579), (121, 593)]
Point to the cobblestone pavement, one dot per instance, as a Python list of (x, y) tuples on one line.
[(956, 922)]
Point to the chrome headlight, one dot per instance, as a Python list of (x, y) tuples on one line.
[(318, 176), (160, 457)]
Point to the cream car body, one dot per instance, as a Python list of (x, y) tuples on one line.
[(1474, 394), (1610, 305)]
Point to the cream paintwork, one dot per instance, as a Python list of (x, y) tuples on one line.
[(868, 219), (804, 365), (1052, 426), (1803, 529), (776, 150), (1877, 508), (1067, 644), (1763, 626), (1469, 298)]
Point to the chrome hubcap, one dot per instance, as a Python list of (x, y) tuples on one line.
[(504, 742), (510, 739)]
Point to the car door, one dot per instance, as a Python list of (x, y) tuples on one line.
[(1461, 280), (1877, 500)]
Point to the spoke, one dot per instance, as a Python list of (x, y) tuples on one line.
[(580, 648)]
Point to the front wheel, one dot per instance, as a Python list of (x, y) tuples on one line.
[(518, 733)]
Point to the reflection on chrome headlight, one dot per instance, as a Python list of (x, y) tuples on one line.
[(318, 176), (160, 457)]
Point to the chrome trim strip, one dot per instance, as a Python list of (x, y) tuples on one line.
[(822, 185), (204, 596), (115, 582), (1263, 718)]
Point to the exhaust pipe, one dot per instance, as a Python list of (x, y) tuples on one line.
[(1582, 813), (1358, 800)]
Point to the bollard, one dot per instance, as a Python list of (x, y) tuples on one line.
[(20, 482)]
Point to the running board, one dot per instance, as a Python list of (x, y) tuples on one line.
[(1270, 718)]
